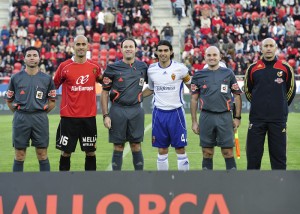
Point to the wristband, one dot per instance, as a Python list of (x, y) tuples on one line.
[(239, 118), (105, 115)]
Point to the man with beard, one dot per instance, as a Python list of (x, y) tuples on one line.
[(78, 108)]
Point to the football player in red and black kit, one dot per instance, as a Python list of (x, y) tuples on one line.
[(78, 107), (270, 87)]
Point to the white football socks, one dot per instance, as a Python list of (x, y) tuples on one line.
[(183, 162), (162, 162)]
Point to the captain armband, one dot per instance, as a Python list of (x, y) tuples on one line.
[(187, 79)]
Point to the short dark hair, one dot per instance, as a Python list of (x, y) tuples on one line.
[(166, 43), (31, 48), (130, 39)]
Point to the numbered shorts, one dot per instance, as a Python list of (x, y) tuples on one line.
[(169, 128), (127, 124), (216, 129), (70, 130), (34, 126)]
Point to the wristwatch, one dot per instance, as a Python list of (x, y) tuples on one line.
[(105, 115), (239, 118)]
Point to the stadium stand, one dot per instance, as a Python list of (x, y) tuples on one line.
[(53, 25), (236, 27)]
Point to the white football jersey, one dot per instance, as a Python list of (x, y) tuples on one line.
[(167, 84)]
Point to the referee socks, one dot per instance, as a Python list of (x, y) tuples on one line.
[(230, 163), (117, 160), (138, 160), (44, 165), (18, 166)]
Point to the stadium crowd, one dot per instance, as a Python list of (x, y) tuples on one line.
[(235, 27), (52, 26)]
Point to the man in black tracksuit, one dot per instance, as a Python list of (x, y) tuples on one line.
[(270, 88)]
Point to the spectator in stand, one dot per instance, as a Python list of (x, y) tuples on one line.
[(109, 20), (212, 40), (189, 31), (205, 30), (296, 15), (196, 16), (167, 32), (255, 31), (179, 5), (188, 48), (216, 20), (189, 37), (239, 47), (205, 21)]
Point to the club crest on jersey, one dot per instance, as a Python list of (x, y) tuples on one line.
[(279, 80), (235, 87), (193, 87), (95, 70), (106, 80), (173, 76), (279, 73), (9, 94)]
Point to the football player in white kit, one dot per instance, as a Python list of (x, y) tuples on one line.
[(166, 80)]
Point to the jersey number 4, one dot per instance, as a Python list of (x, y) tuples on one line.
[(64, 140), (183, 139)]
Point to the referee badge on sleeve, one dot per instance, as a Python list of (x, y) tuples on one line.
[(224, 88), (39, 95), (141, 83)]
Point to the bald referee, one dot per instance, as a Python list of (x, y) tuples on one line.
[(31, 95)]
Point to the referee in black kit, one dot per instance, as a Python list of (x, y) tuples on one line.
[(270, 88), (123, 83)]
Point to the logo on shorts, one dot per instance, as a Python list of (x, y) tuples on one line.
[(82, 80), (22, 92), (173, 76), (279, 80), (250, 126), (283, 130), (204, 86), (193, 87), (235, 87), (10, 93), (106, 80), (153, 139)]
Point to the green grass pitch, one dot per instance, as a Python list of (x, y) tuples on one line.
[(104, 149)]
